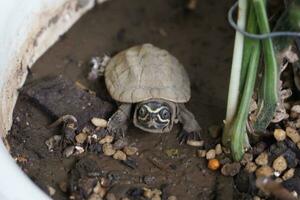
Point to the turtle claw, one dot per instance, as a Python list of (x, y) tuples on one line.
[(185, 136), (117, 131)]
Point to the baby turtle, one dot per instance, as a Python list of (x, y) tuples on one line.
[(153, 83)]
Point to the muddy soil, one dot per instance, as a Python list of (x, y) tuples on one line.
[(201, 40)]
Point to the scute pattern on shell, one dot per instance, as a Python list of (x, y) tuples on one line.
[(144, 72)]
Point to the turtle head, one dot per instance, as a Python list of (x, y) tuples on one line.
[(155, 115)]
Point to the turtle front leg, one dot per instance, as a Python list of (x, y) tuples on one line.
[(118, 122), (191, 129)]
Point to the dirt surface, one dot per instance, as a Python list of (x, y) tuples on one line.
[(201, 40)]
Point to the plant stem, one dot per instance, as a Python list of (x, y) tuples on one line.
[(269, 94), (233, 94), (249, 70)]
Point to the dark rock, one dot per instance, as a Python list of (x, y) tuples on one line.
[(245, 182), (95, 147), (58, 96), (149, 180), (120, 143), (86, 185), (259, 148), (292, 184), (129, 162), (290, 158), (135, 193), (276, 150)]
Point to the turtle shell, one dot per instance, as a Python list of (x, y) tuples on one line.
[(144, 72)]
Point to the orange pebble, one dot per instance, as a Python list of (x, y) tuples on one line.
[(213, 164)]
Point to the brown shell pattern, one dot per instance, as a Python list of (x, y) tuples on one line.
[(144, 72)]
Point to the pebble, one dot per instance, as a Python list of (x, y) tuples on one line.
[(156, 198), (172, 198), (247, 157), (195, 143), (119, 155), (279, 134), (149, 180), (147, 193), (110, 196), (68, 151), (264, 171), (52, 142), (63, 186), (256, 198), (231, 169), (108, 149), (211, 154), (130, 150), (78, 150), (106, 139), (262, 159), (218, 149), (293, 134), (102, 123), (298, 145), (120, 143), (250, 167), (288, 174), (81, 137), (295, 111), (201, 153), (98, 189), (279, 164), (104, 182), (51, 190), (95, 197)]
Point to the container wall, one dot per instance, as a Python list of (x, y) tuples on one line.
[(28, 29)]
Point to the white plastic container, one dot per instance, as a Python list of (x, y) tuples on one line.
[(28, 29)]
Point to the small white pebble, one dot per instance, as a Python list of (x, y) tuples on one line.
[(68, 151), (195, 143), (172, 198), (98, 189), (256, 198), (295, 194), (51, 190), (99, 122), (218, 149), (276, 174), (211, 154), (201, 153), (298, 145)]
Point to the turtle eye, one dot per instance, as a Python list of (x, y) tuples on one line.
[(142, 112), (165, 114)]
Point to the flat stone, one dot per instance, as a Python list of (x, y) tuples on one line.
[(58, 96)]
